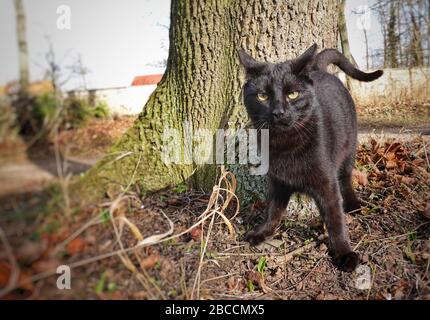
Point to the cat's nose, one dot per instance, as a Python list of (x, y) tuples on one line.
[(278, 112)]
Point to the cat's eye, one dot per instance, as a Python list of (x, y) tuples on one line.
[(262, 97), (293, 95)]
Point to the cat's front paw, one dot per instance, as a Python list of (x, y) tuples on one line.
[(254, 237), (347, 262), (352, 207)]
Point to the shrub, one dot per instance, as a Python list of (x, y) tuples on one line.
[(78, 111), (101, 110), (41, 116), (45, 110)]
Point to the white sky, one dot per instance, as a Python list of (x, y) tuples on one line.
[(117, 39)]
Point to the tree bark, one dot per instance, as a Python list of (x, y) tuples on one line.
[(416, 41), (428, 33), (24, 77), (393, 38), (343, 33), (202, 85)]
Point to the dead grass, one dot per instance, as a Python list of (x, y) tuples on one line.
[(395, 110)]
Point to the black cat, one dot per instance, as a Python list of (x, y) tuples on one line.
[(312, 123)]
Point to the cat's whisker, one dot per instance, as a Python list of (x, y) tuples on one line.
[(260, 125), (304, 130), (299, 133), (307, 135)]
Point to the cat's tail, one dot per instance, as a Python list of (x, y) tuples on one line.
[(332, 56)]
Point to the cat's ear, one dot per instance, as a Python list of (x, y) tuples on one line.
[(252, 66), (305, 59)]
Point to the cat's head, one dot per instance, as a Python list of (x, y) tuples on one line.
[(278, 95)]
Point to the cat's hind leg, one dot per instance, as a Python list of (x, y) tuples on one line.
[(328, 200), (351, 204)]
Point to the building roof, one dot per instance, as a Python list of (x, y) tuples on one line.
[(146, 80)]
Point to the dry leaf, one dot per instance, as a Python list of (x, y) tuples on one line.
[(45, 265), (196, 233), (31, 251), (232, 283), (408, 180), (4, 274), (150, 261), (117, 295), (360, 177), (426, 211), (174, 202), (24, 281), (75, 246), (391, 164)]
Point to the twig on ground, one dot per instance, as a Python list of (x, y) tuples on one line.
[(372, 280), (286, 258), (425, 153)]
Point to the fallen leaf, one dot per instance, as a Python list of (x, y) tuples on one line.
[(24, 278), (150, 261), (75, 246), (4, 274), (232, 283), (388, 200), (270, 244), (45, 265), (173, 202), (326, 296), (390, 156), (52, 238), (30, 251), (140, 295), (196, 233), (391, 164), (426, 211), (408, 180), (360, 177), (257, 280), (117, 295), (24, 281)]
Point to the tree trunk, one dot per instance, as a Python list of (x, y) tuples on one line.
[(22, 48), (393, 38), (343, 33), (366, 42), (399, 31), (416, 41), (201, 87), (428, 33)]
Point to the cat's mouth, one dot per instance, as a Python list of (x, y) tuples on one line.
[(281, 123)]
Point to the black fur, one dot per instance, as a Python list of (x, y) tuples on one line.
[(332, 56), (312, 140)]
